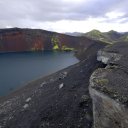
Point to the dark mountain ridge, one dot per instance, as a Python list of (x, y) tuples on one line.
[(18, 40)]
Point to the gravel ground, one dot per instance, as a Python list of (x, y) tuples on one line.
[(60, 100)]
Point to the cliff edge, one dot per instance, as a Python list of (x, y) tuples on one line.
[(109, 87), (20, 40)]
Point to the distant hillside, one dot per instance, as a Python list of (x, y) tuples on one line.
[(124, 36), (97, 35), (113, 35), (18, 40), (74, 33), (108, 37)]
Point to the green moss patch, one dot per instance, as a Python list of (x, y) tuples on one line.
[(55, 42), (64, 48)]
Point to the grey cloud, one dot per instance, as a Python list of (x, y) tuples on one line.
[(98, 8), (14, 11), (119, 19)]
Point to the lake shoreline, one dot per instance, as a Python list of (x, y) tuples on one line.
[(59, 100), (18, 69), (39, 51)]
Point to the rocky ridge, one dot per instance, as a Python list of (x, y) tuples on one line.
[(20, 40), (109, 87)]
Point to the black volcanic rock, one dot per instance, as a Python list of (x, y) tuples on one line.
[(109, 87)]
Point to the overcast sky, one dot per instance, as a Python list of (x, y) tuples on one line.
[(65, 15)]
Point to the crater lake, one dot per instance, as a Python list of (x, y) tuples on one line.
[(16, 69)]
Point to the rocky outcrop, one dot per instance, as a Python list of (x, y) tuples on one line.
[(18, 40), (109, 88), (107, 57)]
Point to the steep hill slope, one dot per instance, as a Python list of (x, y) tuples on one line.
[(124, 37), (97, 35), (17, 40), (113, 35), (107, 37)]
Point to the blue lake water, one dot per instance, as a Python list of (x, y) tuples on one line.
[(16, 69)]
